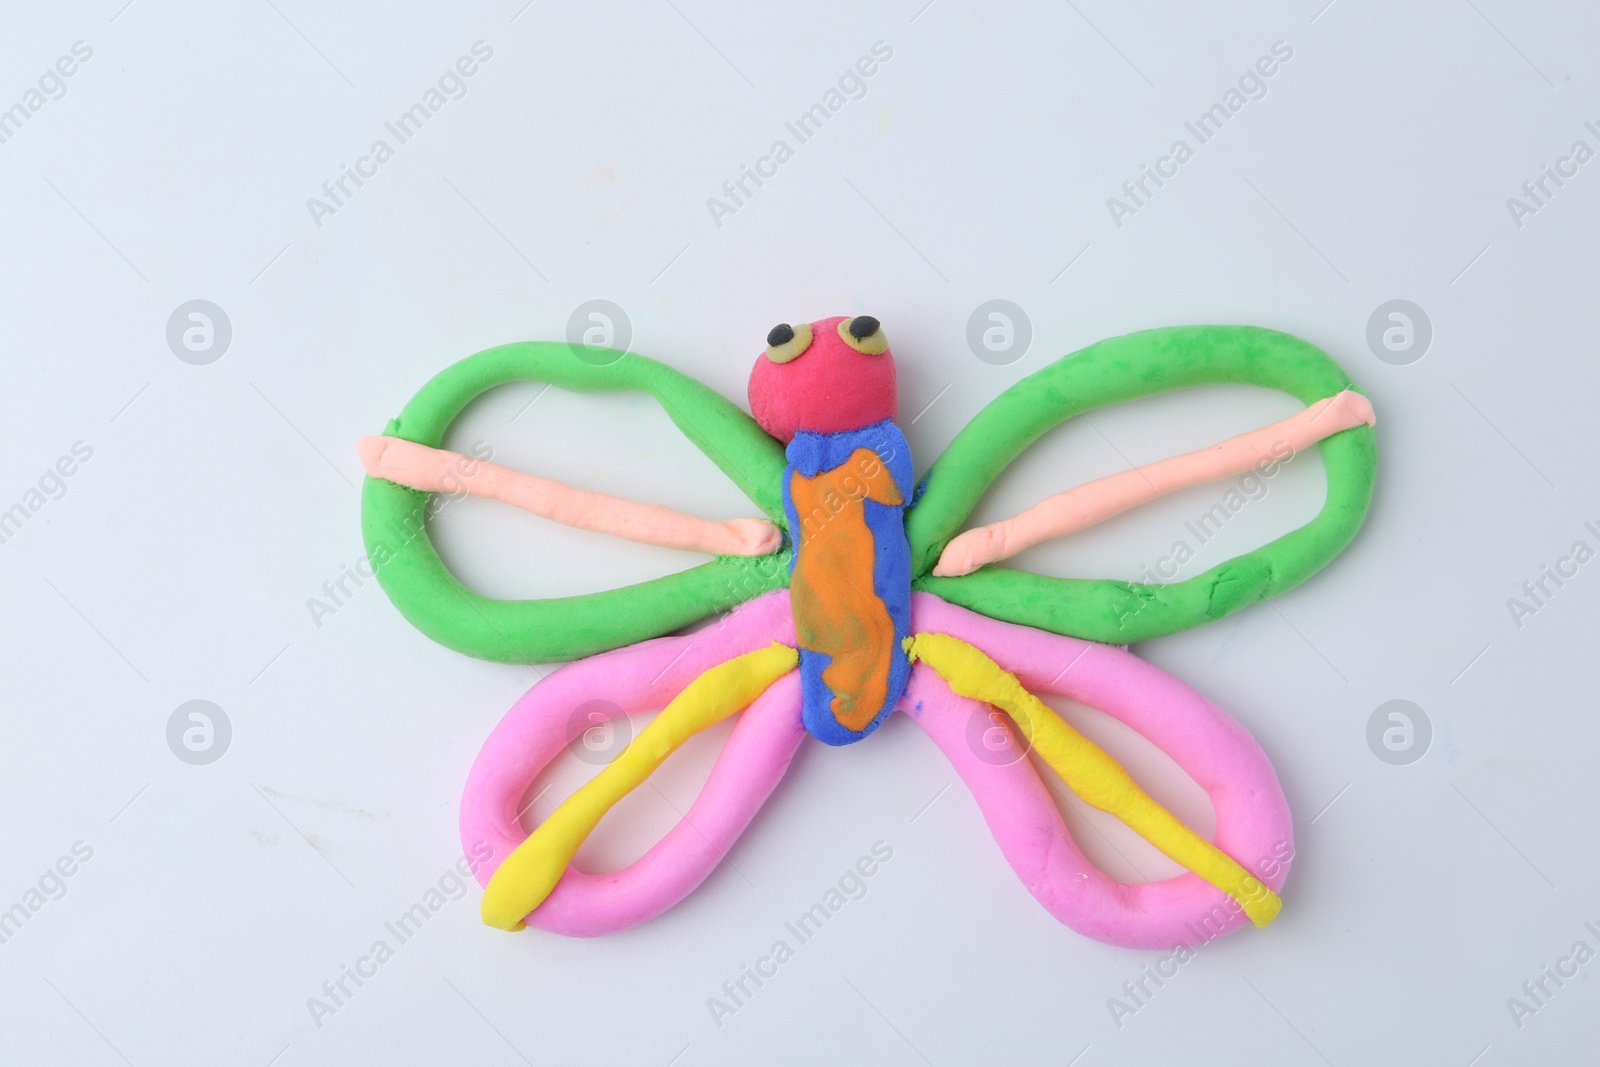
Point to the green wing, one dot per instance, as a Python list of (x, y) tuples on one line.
[(1111, 372), (393, 517)]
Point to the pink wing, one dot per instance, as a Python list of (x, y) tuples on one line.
[(636, 679), (1253, 824)]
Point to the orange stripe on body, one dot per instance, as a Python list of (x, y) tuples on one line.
[(836, 612)]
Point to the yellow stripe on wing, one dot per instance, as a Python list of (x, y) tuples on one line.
[(1088, 771), (527, 876)]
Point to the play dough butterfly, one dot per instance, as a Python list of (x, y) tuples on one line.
[(857, 595)]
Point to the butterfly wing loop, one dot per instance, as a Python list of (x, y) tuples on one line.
[(1114, 371), (394, 517), (744, 666)]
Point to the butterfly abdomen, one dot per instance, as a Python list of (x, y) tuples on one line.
[(850, 586)]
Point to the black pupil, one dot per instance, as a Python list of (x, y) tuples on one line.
[(863, 326), (781, 334)]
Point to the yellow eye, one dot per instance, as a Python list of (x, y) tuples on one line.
[(787, 342), (864, 334)]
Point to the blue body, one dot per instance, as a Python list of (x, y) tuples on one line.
[(810, 455)]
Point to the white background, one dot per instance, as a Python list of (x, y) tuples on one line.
[(219, 498)]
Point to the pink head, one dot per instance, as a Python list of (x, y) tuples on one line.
[(827, 376)]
